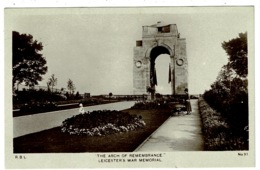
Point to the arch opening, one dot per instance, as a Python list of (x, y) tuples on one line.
[(162, 68), (162, 63)]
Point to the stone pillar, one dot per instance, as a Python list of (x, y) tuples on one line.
[(181, 67), (172, 75)]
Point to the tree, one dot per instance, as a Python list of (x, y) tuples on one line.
[(110, 95), (229, 93), (48, 86), (236, 49), (28, 63), (77, 95), (61, 90), (52, 82), (71, 86)]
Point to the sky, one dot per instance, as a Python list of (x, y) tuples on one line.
[(94, 47)]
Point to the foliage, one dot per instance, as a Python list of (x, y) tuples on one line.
[(71, 87), (32, 95), (236, 49), (38, 107), (52, 82), (158, 95), (101, 123), (28, 63), (158, 104), (218, 135), (33, 101), (229, 93), (110, 95), (85, 101), (231, 99), (77, 96)]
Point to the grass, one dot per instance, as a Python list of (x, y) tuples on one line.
[(53, 141)]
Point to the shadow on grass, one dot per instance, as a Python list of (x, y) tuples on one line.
[(54, 141)]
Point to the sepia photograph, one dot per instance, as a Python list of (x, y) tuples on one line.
[(129, 87)]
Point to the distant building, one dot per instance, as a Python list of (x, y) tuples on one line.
[(86, 95)]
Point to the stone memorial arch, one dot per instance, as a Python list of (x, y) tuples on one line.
[(156, 40)]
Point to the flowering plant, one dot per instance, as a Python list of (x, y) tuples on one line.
[(151, 105), (100, 123)]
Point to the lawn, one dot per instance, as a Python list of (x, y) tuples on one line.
[(53, 141)]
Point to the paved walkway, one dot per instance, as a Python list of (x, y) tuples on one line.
[(178, 133)]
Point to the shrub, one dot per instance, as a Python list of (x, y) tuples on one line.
[(231, 100), (32, 95), (159, 104), (218, 134), (99, 123), (38, 107)]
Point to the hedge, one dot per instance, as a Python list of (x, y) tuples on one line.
[(218, 135)]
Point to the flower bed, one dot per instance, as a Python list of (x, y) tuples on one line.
[(151, 105), (101, 123)]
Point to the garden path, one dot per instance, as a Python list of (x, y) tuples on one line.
[(34, 123), (178, 133)]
